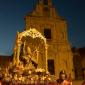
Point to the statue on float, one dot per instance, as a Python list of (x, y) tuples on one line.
[(30, 52), (30, 48)]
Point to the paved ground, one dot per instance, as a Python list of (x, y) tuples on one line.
[(77, 82)]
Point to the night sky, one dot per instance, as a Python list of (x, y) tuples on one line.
[(12, 13)]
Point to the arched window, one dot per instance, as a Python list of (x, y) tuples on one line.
[(51, 66), (45, 2), (47, 33), (46, 11)]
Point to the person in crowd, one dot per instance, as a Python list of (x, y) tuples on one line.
[(69, 78), (0, 80), (83, 82), (62, 76), (63, 79)]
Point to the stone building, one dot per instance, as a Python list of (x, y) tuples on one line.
[(79, 62), (47, 21)]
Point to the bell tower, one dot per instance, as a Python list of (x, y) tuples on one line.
[(46, 2), (44, 8), (47, 21)]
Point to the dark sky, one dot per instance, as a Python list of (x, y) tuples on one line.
[(12, 13)]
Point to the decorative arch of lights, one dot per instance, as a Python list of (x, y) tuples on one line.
[(35, 36)]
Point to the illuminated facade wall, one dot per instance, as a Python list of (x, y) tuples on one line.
[(46, 20)]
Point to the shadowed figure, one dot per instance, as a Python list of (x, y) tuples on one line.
[(63, 79)]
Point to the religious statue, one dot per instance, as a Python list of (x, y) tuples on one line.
[(28, 56)]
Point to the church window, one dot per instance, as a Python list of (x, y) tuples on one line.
[(46, 11), (51, 66), (45, 2), (47, 33)]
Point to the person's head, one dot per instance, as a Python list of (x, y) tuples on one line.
[(62, 75)]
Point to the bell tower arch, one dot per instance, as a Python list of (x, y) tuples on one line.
[(45, 2)]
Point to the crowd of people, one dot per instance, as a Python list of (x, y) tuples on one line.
[(64, 79)]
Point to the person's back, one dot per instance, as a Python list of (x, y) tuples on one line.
[(0, 83), (83, 82), (59, 81), (65, 82), (0, 80)]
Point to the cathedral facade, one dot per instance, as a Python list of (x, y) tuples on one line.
[(46, 20)]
